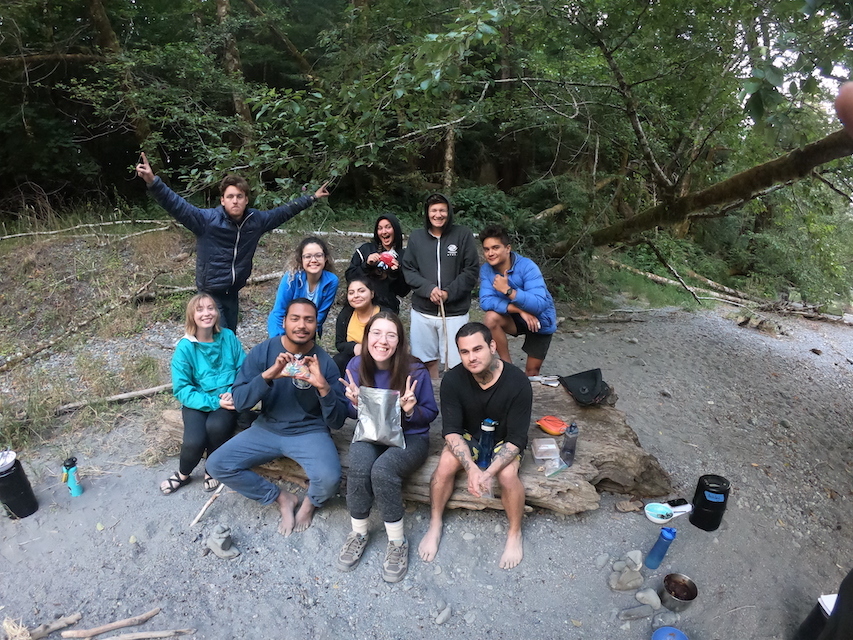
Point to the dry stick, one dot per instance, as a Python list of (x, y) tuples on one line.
[(661, 280), (129, 395), (80, 226), (118, 624), (12, 362), (446, 337), (44, 630), (144, 635), (724, 289), (207, 504), (672, 270)]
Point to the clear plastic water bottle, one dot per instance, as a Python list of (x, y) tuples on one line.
[(570, 444), (487, 443), (655, 557)]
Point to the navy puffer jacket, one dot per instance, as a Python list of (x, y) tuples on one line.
[(224, 248)]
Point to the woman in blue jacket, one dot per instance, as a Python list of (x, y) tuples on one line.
[(376, 472), (204, 367), (312, 276)]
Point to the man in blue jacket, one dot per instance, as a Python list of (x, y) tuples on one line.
[(227, 235), (515, 298)]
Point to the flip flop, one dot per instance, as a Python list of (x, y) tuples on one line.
[(175, 482), (210, 483)]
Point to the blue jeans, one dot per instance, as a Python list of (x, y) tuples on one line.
[(315, 452)]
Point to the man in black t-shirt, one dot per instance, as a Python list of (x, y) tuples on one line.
[(482, 387)]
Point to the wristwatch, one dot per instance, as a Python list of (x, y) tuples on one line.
[(508, 292)]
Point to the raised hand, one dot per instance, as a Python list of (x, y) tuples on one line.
[(143, 169), (408, 400), (276, 370), (350, 388), (500, 283), (322, 192), (314, 376)]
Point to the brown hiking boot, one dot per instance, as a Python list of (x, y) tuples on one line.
[(350, 554), (396, 562)]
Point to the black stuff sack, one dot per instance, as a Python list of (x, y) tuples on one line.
[(587, 387)]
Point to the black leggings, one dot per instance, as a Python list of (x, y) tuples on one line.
[(204, 431)]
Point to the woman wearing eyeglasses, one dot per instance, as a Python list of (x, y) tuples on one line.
[(312, 276), (376, 472)]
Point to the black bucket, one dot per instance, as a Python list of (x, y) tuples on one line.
[(16, 494), (709, 502)]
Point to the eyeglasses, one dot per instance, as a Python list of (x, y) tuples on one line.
[(313, 256), (378, 335)]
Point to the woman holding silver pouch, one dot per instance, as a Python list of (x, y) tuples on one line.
[(376, 471)]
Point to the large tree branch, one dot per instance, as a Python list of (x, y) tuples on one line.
[(793, 166), (295, 53), (50, 58)]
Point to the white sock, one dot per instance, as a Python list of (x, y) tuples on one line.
[(359, 526), (395, 531)]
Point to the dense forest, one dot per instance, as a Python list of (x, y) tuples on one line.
[(706, 127)]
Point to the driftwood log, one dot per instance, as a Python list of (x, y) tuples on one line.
[(609, 458)]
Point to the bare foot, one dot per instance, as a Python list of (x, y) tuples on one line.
[(513, 552), (286, 504), (428, 547), (304, 515)]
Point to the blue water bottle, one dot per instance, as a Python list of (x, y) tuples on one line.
[(69, 477), (655, 557), (487, 443)]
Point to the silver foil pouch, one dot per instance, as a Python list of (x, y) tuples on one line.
[(379, 417)]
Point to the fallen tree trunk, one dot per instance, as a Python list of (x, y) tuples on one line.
[(121, 397), (609, 458), (716, 286)]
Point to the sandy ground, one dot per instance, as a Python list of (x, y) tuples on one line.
[(704, 396)]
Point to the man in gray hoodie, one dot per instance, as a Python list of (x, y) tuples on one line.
[(441, 265)]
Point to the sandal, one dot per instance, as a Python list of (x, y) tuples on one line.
[(174, 483), (210, 483)]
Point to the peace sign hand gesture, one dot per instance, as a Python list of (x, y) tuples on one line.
[(350, 388), (408, 400)]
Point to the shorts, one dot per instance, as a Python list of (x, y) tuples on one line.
[(474, 446), (427, 337), (535, 344)]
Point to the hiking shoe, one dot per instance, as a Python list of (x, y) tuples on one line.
[(396, 562), (350, 555)]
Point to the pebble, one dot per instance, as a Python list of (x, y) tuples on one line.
[(665, 619), (666, 393), (632, 341), (440, 605), (626, 626), (468, 536), (470, 617), (784, 424), (626, 581), (601, 560), (499, 528), (444, 616), (620, 566), (636, 613), (634, 559), (752, 422), (650, 597), (437, 570)]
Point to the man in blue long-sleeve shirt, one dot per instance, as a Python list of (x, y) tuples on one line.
[(227, 235), (298, 384), (516, 299)]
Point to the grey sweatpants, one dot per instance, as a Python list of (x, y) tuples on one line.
[(377, 471)]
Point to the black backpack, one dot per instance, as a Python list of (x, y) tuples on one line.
[(587, 388)]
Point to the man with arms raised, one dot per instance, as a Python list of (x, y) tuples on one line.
[(227, 235), (297, 382), (516, 299), (482, 386)]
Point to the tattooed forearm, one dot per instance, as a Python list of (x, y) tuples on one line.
[(462, 453), (505, 455)]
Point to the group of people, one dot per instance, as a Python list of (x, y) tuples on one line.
[(304, 393)]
